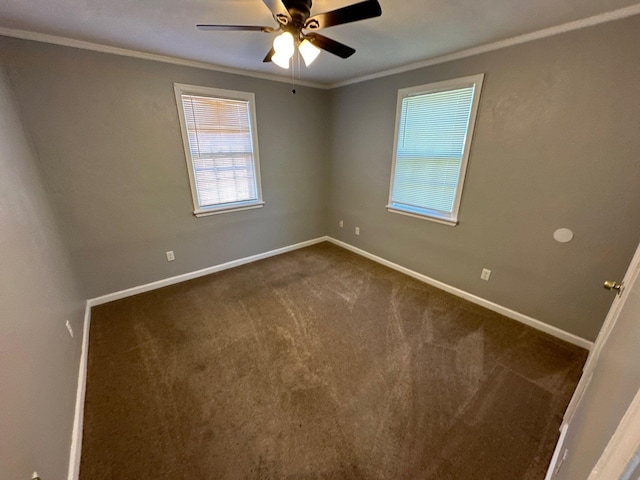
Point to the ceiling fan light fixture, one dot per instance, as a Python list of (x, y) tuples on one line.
[(283, 45), (308, 51), (281, 60)]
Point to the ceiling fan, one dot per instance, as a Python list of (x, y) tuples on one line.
[(294, 17)]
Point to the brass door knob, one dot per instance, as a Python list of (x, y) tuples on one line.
[(611, 285)]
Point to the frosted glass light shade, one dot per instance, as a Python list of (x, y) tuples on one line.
[(281, 60), (308, 51), (283, 45)]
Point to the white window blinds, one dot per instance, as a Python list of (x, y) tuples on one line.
[(222, 149), (432, 143)]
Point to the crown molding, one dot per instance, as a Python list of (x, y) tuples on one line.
[(528, 37), (96, 47)]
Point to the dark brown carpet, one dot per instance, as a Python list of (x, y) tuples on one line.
[(319, 364)]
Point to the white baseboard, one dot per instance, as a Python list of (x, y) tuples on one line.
[(76, 443), (78, 420), (129, 292), (507, 312), (555, 464)]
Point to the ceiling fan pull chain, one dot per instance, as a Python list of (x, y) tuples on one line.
[(293, 76)]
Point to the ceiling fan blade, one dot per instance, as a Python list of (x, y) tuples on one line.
[(269, 55), (231, 28), (351, 13), (331, 46), (279, 10)]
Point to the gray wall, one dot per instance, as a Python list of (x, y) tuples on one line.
[(556, 145), (38, 293), (615, 383), (106, 129)]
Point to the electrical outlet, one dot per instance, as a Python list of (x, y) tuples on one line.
[(357, 230), (341, 223), (170, 256), (486, 274), (70, 330)]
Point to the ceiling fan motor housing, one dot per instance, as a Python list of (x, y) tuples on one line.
[(299, 11)]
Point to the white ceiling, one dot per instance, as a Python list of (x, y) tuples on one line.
[(409, 31)]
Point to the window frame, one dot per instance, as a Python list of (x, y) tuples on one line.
[(438, 216), (200, 211)]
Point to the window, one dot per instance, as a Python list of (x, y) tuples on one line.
[(221, 148), (434, 126)]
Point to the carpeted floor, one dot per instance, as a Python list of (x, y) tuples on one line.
[(319, 364)]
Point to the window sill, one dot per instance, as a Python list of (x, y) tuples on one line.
[(236, 208), (441, 220)]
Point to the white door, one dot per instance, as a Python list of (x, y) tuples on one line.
[(621, 459), (609, 323), (609, 383)]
